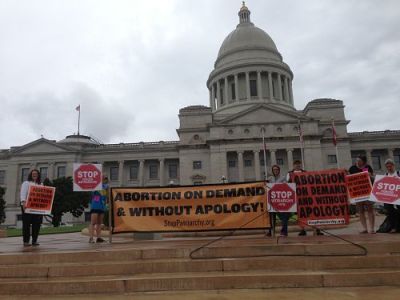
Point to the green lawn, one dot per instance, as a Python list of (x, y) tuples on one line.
[(49, 230)]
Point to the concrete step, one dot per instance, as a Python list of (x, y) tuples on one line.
[(278, 263), (222, 249), (200, 281)]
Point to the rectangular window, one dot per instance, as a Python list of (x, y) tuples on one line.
[(24, 174), (133, 172), (197, 183), (253, 88), (114, 173), (397, 160), (279, 161), (332, 159), (61, 171), (232, 163), (2, 177), (43, 173), (173, 171), (376, 162), (197, 165), (233, 91), (248, 162), (153, 171)]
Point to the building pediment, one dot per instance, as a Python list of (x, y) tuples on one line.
[(41, 145), (264, 114)]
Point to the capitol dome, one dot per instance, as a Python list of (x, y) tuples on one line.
[(249, 70), (246, 36)]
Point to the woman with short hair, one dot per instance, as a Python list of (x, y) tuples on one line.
[(30, 222), (365, 207)]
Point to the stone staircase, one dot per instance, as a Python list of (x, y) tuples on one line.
[(229, 264)]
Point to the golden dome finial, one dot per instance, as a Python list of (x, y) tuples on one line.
[(244, 7)]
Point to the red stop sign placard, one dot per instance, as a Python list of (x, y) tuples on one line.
[(282, 197), (386, 189), (87, 177)]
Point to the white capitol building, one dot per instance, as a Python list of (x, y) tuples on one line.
[(250, 91)]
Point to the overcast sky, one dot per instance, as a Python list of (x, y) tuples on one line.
[(132, 65)]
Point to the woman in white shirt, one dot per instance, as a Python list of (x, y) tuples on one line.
[(30, 220)]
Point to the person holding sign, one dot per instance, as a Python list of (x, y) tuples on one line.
[(364, 206), (30, 221), (97, 209), (297, 168), (393, 211), (284, 217)]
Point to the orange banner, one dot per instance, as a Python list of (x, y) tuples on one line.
[(190, 208), (321, 197), (359, 187), (40, 200)]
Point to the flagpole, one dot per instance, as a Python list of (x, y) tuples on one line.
[(79, 117), (265, 153), (301, 145), (335, 142)]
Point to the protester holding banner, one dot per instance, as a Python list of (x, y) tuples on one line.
[(297, 168), (30, 222), (98, 204), (284, 217), (364, 206), (392, 222)]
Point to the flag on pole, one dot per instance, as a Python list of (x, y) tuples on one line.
[(334, 137), (300, 132), (78, 108)]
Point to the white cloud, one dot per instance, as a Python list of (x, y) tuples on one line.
[(133, 64)]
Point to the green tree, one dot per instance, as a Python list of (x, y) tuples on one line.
[(2, 206), (66, 200)]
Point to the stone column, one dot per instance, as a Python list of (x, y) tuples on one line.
[(368, 153), (213, 106), (211, 101), (279, 87), (390, 153), (50, 172), (271, 89), (13, 179), (218, 93), (257, 167), (248, 86), (240, 166), (286, 85), (121, 172), (290, 158), (226, 89), (161, 160), (141, 172), (236, 87), (290, 91), (273, 157), (259, 86)]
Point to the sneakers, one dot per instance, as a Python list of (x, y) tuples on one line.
[(98, 240), (302, 232), (283, 233), (27, 244), (35, 244)]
